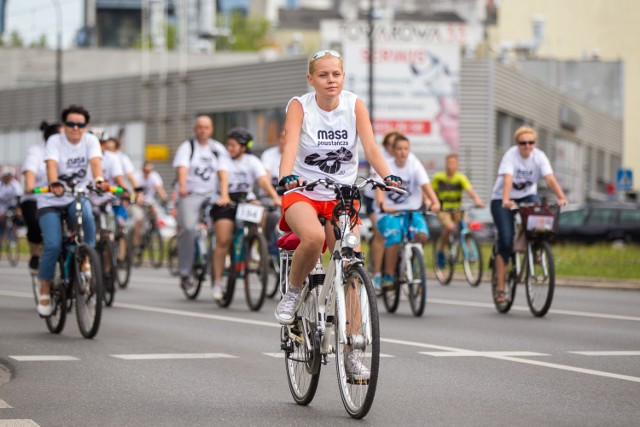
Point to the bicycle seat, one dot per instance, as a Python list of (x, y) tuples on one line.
[(289, 242)]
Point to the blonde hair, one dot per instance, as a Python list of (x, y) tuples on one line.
[(451, 156), (522, 130), (313, 58)]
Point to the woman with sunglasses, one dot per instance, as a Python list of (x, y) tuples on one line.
[(322, 129), (72, 152), (520, 169)]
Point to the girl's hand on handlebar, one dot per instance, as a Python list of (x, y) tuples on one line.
[(509, 204), (223, 201), (291, 181), (562, 202), (393, 181), (57, 188)]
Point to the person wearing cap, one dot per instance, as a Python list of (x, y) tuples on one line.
[(244, 171), (34, 170)]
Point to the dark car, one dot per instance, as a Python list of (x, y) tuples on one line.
[(605, 222)]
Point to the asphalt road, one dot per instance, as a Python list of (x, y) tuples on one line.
[(160, 360)]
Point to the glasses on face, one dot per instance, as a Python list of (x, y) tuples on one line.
[(71, 125), (523, 143), (321, 53)]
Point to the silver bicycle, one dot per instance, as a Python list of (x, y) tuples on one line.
[(338, 314)]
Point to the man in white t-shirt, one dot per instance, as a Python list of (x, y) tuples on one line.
[(200, 165), (150, 183)]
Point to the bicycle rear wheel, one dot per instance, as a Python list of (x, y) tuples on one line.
[(361, 343), (227, 294), (123, 260), (541, 278), (510, 282), (55, 322), (107, 250), (472, 257), (301, 345), (443, 273), (89, 290), (136, 252), (417, 289), (13, 246), (391, 297), (155, 248), (172, 255), (256, 270)]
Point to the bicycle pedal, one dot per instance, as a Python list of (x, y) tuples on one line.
[(357, 382)]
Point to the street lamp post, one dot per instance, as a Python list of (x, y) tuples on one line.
[(56, 4)]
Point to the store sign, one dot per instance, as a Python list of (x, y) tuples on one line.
[(416, 79)]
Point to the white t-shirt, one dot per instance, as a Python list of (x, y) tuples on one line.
[(71, 159), (125, 161), (525, 173), (111, 166), (203, 165), (414, 176), (271, 161), (34, 162), (8, 195), (328, 144), (149, 184), (243, 174)]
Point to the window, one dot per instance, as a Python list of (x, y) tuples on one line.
[(630, 217), (573, 218), (602, 217)]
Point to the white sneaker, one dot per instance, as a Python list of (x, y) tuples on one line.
[(354, 368), (288, 306), (216, 291), (44, 310)]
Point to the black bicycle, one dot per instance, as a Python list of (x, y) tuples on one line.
[(10, 242), (150, 242), (78, 274)]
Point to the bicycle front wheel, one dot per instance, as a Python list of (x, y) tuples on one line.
[(443, 270), (541, 279), (256, 270), (172, 255), (155, 248), (301, 344), (89, 291), (108, 277), (13, 247), (358, 346), (417, 289), (123, 260), (472, 260)]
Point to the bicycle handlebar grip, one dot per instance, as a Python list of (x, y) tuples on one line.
[(39, 190), (116, 190)]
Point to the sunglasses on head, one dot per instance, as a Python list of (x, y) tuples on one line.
[(74, 124), (321, 53), (527, 142)]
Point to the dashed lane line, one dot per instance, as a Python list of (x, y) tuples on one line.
[(174, 356), (4, 405), (44, 358), (606, 353), (472, 353), (18, 423)]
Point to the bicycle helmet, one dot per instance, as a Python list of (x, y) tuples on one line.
[(242, 136), (99, 133), (8, 171)]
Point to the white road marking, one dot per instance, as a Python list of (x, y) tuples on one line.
[(480, 353), (4, 405), (18, 423), (607, 353), (44, 358), (280, 355), (169, 356)]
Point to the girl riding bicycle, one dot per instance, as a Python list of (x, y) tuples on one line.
[(517, 182), (244, 171), (392, 227), (321, 131)]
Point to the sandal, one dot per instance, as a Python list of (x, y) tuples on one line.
[(500, 297), (44, 310)]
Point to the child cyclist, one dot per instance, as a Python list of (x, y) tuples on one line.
[(416, 180)]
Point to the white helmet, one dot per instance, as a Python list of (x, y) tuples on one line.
[(8, 170), (99, 133)]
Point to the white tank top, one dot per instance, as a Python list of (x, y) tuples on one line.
[(328, 144)]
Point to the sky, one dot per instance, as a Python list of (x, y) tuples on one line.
[(33, 18)]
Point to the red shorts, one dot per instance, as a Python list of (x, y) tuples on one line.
[(323, 208)]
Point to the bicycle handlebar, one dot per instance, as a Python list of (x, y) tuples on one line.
[(329, 183)]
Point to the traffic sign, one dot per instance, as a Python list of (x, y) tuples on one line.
[(624, 180)]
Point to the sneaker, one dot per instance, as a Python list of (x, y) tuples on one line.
[(216, 291), (441, 259), (354, 368), (44, 310), (186, 283), (387, 282), (377, 283), (34, 264), (288, 306)]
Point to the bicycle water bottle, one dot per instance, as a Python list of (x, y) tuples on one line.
[(316, 277), (66, 265), (238, 248)]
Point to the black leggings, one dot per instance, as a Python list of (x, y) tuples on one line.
[(29, 209)]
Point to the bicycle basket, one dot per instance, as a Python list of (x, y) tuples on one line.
[(540, 221)]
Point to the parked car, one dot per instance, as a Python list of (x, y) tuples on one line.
[(606, 222)]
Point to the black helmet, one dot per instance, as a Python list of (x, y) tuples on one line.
[(242, 136)]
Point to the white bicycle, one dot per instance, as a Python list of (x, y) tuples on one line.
[(338, 314)]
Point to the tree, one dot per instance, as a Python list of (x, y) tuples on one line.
[(40, 44), (247, 34), (15, 39)]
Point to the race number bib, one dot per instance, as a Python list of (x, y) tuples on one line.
[(249, 212)]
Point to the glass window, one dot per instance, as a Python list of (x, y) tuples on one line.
[(573, 218), (602, 217), (629, 216)]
